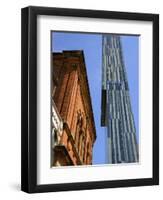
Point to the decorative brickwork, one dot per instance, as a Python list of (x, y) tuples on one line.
[(72, 101)]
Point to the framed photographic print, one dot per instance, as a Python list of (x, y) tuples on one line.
[(90, 99)]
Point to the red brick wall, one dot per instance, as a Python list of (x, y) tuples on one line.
[(69, 98)]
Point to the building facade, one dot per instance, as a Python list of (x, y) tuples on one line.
[(116, 107), (73, 129)]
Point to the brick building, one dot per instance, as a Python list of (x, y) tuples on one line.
[(73, 128)]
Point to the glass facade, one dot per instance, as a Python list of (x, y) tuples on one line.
[(117, 113)]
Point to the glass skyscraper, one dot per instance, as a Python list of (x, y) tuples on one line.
[(116, 110)]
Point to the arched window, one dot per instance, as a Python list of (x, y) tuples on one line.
[(55, 137), (78, 128), (77, 134), (80, 142), (83, 148), (87, 158)]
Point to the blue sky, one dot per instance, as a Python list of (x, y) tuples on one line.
[(91, 44)]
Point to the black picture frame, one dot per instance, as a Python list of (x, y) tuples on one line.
[(29, 99)]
